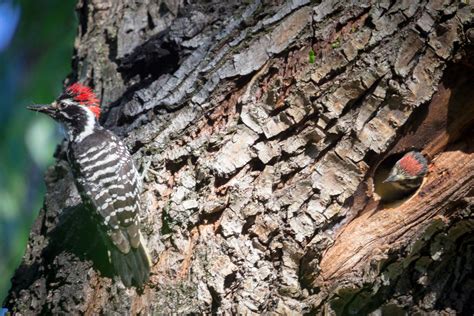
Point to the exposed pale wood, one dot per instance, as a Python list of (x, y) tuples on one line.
[(376, 231)]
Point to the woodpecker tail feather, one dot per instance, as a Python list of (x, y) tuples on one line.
[(133, 267)]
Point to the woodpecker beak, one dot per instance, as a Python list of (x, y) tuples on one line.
[(48, 109), (391, 178)]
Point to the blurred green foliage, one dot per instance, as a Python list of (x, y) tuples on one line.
[(32, 69)]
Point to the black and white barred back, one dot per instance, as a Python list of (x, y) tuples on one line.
[(108, 182), (104, 170)]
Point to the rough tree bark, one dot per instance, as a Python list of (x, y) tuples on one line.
[(262, 168)]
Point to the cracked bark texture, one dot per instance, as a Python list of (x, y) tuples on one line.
[(262, 169)]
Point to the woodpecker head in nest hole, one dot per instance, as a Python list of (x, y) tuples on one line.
[(77, 109), (408, 172)]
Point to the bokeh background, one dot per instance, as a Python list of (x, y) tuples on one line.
[(36, 46)]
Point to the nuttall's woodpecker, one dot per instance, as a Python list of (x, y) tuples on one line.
[(408, 172), (106, 179)]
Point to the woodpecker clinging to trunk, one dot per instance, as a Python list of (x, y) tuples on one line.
[(408, 172), (106, 179)]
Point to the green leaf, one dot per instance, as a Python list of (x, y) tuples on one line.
[(312, 56)]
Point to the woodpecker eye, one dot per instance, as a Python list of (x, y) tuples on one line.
[(61, 106)]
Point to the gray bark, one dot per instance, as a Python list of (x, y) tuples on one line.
[(262, 168)]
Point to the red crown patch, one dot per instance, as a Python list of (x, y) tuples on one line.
[(411, 165), (85, 96)]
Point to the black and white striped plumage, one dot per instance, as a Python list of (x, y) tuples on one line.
[(107, 180)]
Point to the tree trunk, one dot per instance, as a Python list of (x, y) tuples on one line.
[(263, 130)]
